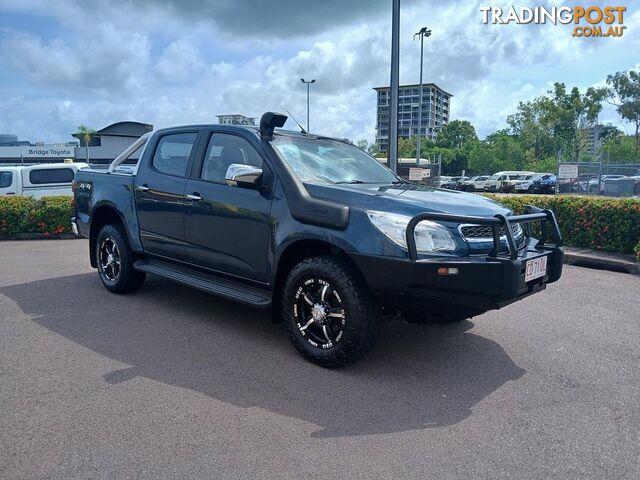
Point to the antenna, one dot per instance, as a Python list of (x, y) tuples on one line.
[(302, 130)]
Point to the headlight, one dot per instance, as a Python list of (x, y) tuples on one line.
[(430, 236)]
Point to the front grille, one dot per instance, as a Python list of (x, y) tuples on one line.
[(485, 232)]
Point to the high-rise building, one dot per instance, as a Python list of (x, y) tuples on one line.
[(235, 119), (435, 112), (595, 139)]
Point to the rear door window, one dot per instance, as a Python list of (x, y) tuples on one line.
[(173, 152), (51, 175)]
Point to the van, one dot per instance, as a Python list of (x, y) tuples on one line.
[(39, 180)]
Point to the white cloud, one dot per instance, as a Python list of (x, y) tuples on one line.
[(167, 67)]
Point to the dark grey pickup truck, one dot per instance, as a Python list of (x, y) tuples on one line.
[(310, 226)]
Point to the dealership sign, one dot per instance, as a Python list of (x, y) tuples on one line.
[(41, 151)]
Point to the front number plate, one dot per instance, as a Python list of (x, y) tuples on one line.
[(535, 268)]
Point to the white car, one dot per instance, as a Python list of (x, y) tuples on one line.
[(39, 180), (524, 184), (504, 181), (474, 183)]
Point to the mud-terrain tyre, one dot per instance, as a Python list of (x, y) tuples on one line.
[(331, 316), (115, 261)]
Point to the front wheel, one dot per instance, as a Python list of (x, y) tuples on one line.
[(331, 316)]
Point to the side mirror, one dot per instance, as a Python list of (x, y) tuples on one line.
[(245, 176)]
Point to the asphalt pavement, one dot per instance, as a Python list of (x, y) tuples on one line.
[(169, 382)]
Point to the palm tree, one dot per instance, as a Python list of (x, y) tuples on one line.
[(84, 134)]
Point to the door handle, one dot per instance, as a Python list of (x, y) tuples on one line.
[(142, 188), (194, 197)]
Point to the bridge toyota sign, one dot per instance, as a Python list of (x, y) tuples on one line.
[(41, 151)]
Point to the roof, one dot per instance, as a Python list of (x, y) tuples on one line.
[(126, 129), (251, 128), (233, 115), (122, 129), (416, 85)]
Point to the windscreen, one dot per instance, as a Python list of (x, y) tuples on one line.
[(327, 161)]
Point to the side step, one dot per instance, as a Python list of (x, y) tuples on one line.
[(209, 283)]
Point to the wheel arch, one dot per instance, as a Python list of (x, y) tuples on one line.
[(294, 253), (104, 214)]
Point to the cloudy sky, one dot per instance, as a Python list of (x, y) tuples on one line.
[(170, 62)]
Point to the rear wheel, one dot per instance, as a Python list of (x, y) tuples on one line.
[(115, 261), (331, 316)]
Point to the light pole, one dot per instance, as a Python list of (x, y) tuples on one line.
[(308, 83), (424, 32), (393, 90)]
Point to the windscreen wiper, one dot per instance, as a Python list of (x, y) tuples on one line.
[(352, 181)]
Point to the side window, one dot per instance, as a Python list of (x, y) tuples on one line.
[(225, 150), (6, 179), (51, 175), (173, 152)]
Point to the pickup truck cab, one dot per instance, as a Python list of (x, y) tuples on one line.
[(310, 226), (38, 180)]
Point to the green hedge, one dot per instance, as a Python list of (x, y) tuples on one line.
[(599, 223), (47, 215), (611, 224)]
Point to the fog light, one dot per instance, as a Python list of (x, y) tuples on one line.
[(447, 271)]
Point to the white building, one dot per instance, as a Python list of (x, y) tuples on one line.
[(435, 112), (108, 143), (235, 119)]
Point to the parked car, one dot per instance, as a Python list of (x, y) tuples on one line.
[(453, 183), (309, 225), (587, 183), (544, 184), (504, 181), (38, 180), (442, 180), (473, 184), (526, 183)]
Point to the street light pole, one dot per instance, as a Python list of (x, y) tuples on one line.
[(308, 83), (424, 32), (395, 81)]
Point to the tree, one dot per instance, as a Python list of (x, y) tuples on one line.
[(373, 149), (84, 134), (407, 147), (500, 151), (620, 150), (570, 113), (362, 144), (625, 95), (533, 130), (456, 134)]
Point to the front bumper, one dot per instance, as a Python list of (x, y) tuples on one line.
[(482, 282)]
